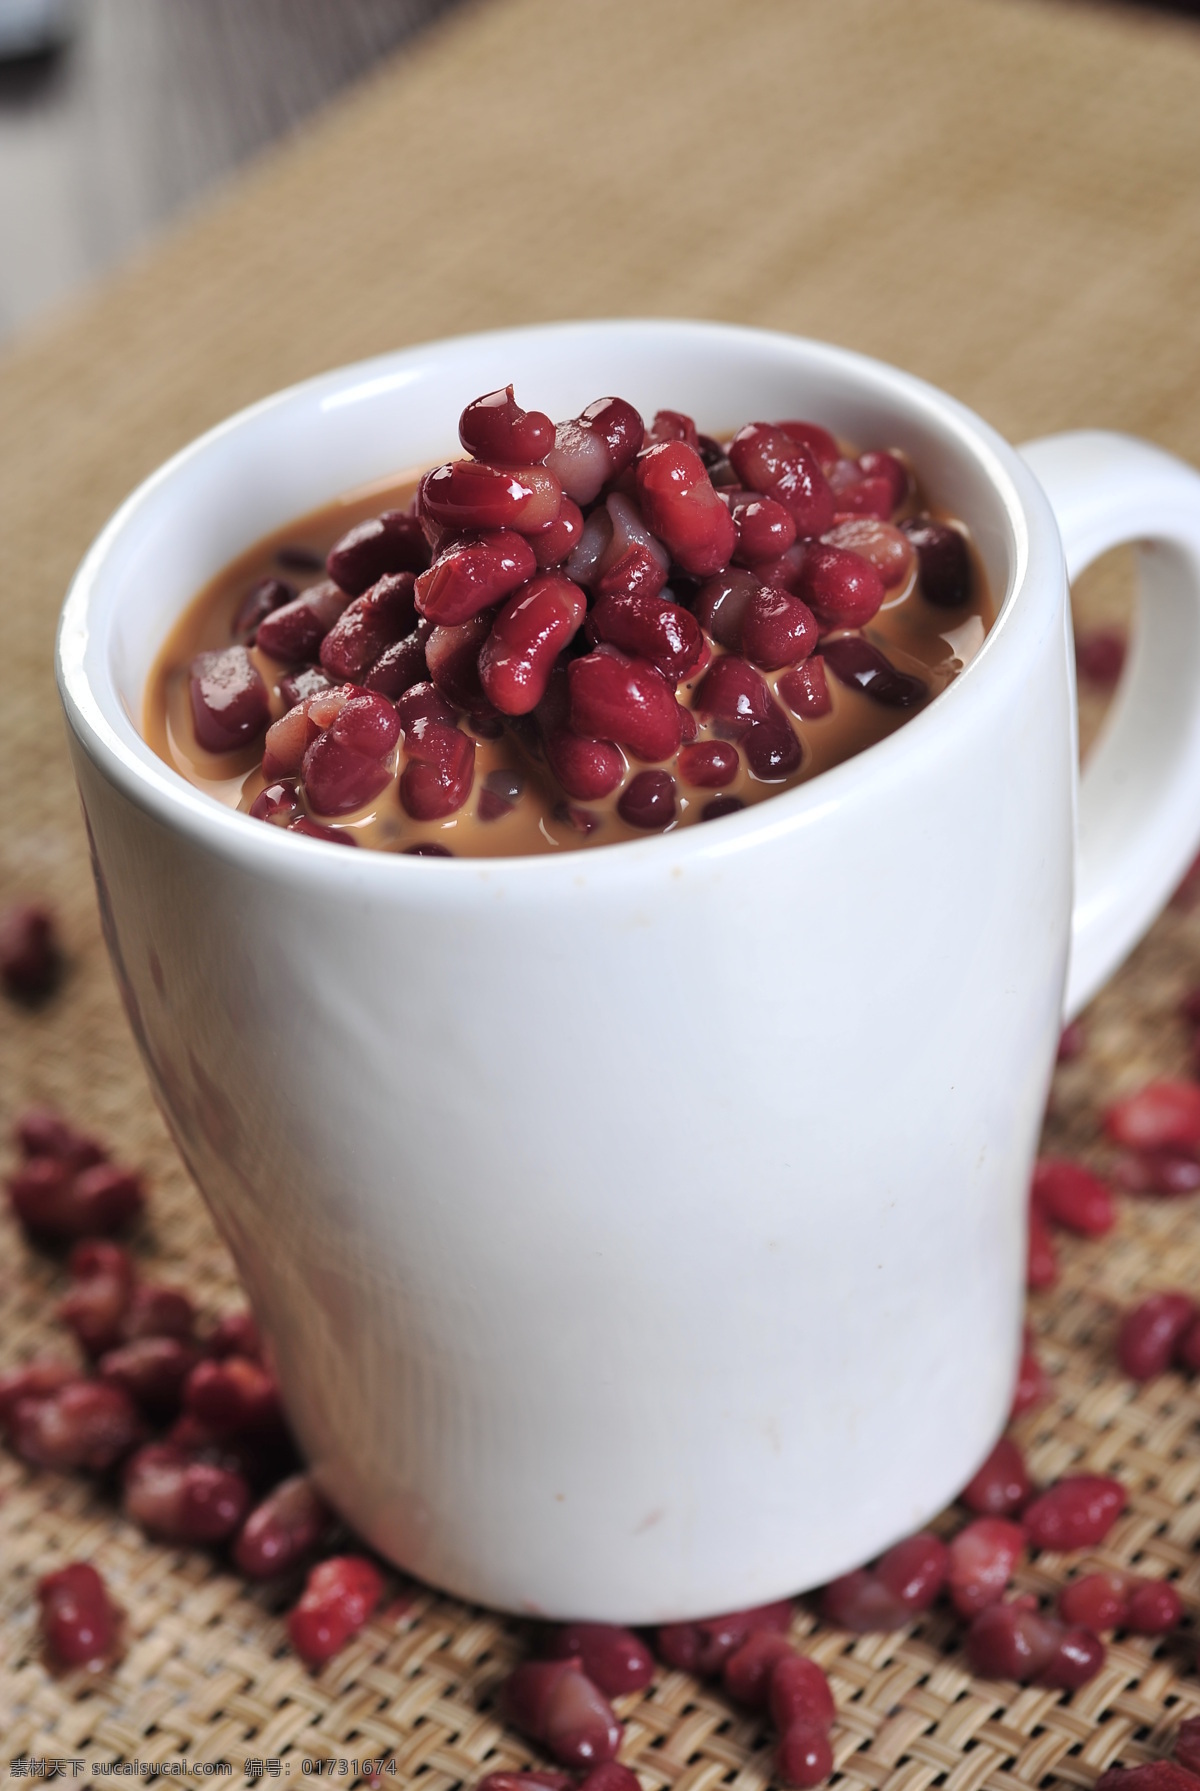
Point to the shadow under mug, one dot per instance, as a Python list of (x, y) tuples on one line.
[(640, 1231)]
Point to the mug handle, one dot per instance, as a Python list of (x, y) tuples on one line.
[(1138, 818)]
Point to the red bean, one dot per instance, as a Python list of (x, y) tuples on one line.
[(452, 655), (765, 527), (345, 766), (1076, 1512), (85, 1424), (805, 689), (841, 587), (616, 697), (889, 550), (170, 1495), (229, 699), (1187, 1751), (373, 622), (861, 666), (1157, 1172), (858, 493), (703, 1646), (614, 1659), (1041, 1263), (610, 1775), (527, 636), (721, 805), (799, 1689), (1151, 1332), (777, 630), (943, 562), (265, 595), (683, 510), (465, 495), (673, 426), (30, 955), (235, 1333), (1187, 1350), (439, 770), (94, 1308), (650, 627), (1155, 1775), (495, 428), (278, 804), (1096, 1601), (733, 693), (648, 800), (709, 765), (1161, 1116), (552, 544), (1009, 1641), (339, 1598), (1033, 1385), (555, 1703), (40, 1132), (1071, 1196), (294, 633), (234, 1396), (1001, 1486), (289, 1522), (721, 606), (804, 1756), (1100, 655), (772, 749), (392, 542), (772, 461), (983, 1558), (586, 769), (33, 1380), (424, 702), (1071, 1041), (904, 1582), (398, 667), (80, 1623), (747, 1671), (783, 574), (152, 1370), (54, 1203), (820, 444), (471, 576), (595, 447)]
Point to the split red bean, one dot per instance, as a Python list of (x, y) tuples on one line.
[(595, 447), (465, 495), (347, 764), (339, 1598)]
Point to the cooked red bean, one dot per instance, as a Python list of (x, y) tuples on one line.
[(555, 1703), (278, 804), (1166, 1172), (771, 460), (943, 562), (721, 605), (496, 429), (1033, 1384), (1161, 1116), (1001, 1487), (709, 765), (857, 492), (840, 587), (339, 1598), (80, 1623), (155, 1310), (765, 527), (424, 702), (595, 447), (294, 632), (233, 1395), (771, 748), (650, 627), (102, 1283), (452, 655), (152, 1370), (648, 800), (777, 630), (398, 667), (616, 697), (235, 1333), (889, 549), (804, 1757), (1070, 1195), (40, 1132), (805, 689), (282, 1529), (230, 706), (861, 666), (1187, 1750), (673, 426), (305, 681), (265, 595), (1010, 1641), (552, 544), (614, 1659), (527, 636), (30, 955), (1041, 1266), (1151, 1333), (586, 769), (170, 1495), (704, 1645), (799, 1689), (1076, 1512), (732, 692), (391, 542), (983, 1558), (721, 805), (85, 1424), (904, 1582), (33, 1380), (747, 1671), (683, 510), (1096, 1601), (439, 770), (54, 1202), (465, 495), (820, 444), (346, 765), (375, 621), (470, 576)]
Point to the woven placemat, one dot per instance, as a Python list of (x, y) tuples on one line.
[(999, 195)]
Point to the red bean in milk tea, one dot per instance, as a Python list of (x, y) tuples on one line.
[(575, 635)]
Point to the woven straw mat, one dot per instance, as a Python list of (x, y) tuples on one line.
[(1001, 196)]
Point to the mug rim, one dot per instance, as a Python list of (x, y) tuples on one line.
[(100, 720)]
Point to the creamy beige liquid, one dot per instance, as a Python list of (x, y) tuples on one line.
[(931, 643)]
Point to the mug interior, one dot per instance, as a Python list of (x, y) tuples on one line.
[(306, 446)]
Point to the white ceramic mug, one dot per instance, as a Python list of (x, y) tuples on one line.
[(641, 1231)]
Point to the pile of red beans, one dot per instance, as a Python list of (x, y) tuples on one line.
[(610, 597)]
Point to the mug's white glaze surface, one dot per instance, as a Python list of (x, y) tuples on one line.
[(640, 1232)]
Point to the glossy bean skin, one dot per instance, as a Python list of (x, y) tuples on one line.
[(683, 510), (471, 576), (495, 428), (465, 495), (615, 696), (527, 636)]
